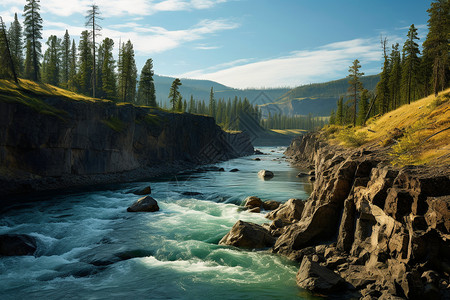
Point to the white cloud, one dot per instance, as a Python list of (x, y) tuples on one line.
[(116, 7), (301, 67), (206, 47)]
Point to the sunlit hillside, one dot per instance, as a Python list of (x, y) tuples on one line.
[(418, 133)]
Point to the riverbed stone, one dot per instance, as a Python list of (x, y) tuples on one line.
[(144, 204), (314, 277), (252, 202), (248, 235), (143, 191), (288, 212), (265, 174), (270, 204)]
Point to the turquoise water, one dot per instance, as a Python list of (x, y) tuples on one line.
[(91, 248)]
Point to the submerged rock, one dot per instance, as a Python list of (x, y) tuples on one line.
[(248, 235), (314, 277), (144, 204), (143, 191), (234, 170), (265, 174), (17, 245)]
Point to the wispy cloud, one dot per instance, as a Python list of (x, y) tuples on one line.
[(206, 47), (301, 67), (149, 40), (117, 7)]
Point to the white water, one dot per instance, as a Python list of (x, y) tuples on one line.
[(91, 248)]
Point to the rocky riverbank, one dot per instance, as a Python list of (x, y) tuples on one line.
[(64, 143), (368, 229)]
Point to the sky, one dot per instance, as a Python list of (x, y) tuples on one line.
[(243, 43)]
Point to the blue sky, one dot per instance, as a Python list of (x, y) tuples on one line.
[(244, 43)]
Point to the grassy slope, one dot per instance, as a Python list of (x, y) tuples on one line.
[(418, 121)]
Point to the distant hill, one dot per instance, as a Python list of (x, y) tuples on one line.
[(200, 89), (318, 99)]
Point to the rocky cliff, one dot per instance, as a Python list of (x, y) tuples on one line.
[(386, 229), (368, 230), (64, 142)]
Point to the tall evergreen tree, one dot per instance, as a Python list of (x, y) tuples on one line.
[(108, 70), (16, 44), (340, 111), (174, 94), (395, 77), (146, 91), (33, 33), (192, 107), (65, 59), (411, 63), (52, 61), (28, 64), (8, 70), (355, 85), (94, 28), (212, 103), (363, 107), (85, 64), (437, 44), (127, 73), (72, 80), (383, 85)]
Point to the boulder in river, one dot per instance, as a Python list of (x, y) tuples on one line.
[(143, 191), (265, 174), (257, 159), (314, 277), (144, 204), (248, 235), (258, 152), (252, 202), (17, 244), (234, 170)]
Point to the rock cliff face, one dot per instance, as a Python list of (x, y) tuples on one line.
[(88, 142), (383, 230)]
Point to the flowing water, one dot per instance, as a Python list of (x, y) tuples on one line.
[(89, 247)]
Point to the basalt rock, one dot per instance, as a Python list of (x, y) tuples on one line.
[(312, 276), (143, 191), (270, 204), (288, 212), (265, 174), (390, 225), (252, 202)]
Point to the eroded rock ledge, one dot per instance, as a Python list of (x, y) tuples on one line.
[(384, 231)]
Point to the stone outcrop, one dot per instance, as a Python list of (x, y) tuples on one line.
[(248, 235), (101, 142), (144, 204), (312, 276), (385, 230), (143, 191)]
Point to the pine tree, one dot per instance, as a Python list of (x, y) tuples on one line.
[(65, 59), (107, 70), (436, 45), (8, 70), (33, 33), (146, 91), (127, 73), (363, 106), (355, 86), (16, 44), (52, 61), (192, 108), (395, 77), (92, 22), (85, 64), (72, 79), (174, 94), (383, 85), (28, 64), (340, 111), (212, 104), (332, 117), (411, 63)]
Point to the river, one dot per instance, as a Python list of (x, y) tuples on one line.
[(89, 247)]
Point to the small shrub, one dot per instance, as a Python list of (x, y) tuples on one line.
[(404, 152), (352, 138)]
